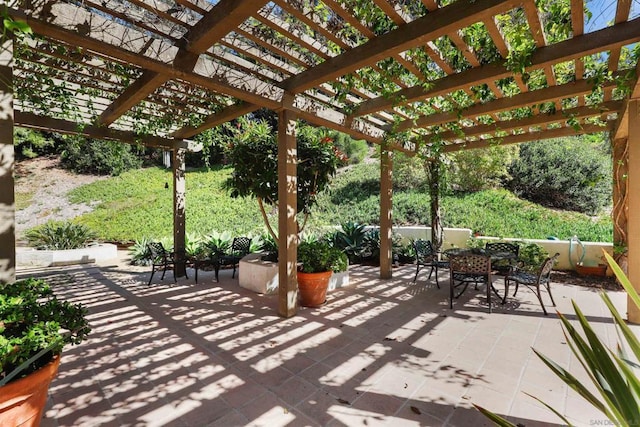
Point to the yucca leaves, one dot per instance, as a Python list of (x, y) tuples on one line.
[(60, 235), (612, 374)]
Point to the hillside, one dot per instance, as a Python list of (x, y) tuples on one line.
[(137, 204)]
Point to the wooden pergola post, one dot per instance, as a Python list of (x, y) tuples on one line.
[(7, 196), (633, 179), (179, 195), (287, 210), (386, 193)]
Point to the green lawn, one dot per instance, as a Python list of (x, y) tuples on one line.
[(137, 204)]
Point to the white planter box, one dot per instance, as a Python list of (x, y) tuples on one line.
[(29, 257), (262, 276)]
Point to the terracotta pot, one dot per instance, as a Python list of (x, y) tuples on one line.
[(22, 401), (595, 270), (312, 288)]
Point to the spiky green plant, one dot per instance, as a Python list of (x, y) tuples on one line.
[(60, 235)]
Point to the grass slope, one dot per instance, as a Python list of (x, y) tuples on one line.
[(136, 204)]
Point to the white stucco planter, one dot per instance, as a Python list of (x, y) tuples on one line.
[(29, 257), (262, 276)]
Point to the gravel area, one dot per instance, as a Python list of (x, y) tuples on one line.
[(48, 185)]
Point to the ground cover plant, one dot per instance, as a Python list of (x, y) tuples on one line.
[(136, 204)]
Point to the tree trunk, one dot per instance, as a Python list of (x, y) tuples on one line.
[(433, 173)]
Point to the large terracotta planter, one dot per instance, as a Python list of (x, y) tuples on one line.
[(312, 288), (22, 401)]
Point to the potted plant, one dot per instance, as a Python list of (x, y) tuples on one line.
[(317, 262), (34, 328)]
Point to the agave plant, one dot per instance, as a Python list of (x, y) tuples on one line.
[(140, 253), (60, 235), (612, 373)]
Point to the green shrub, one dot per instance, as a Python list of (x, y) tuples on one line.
[(83, 155), (408, 173), (474, 170), (531, 255), (318, 256), (60, 235), (30, 143), (565, 173), (35, 326)]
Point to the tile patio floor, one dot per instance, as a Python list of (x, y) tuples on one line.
[(378, 353)]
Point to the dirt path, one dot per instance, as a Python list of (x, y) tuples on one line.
[(47, 185)]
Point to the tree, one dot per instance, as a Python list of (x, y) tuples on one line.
[(254, 157)]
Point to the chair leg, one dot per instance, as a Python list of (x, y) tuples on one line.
[(233, 276), (195, 267), (153, 270), (217, 269), (489, 287), (175, 280), (436, 267), (548, 285), (516, 291), (451, 286), (506, 290), (417, 271), (540, 299), (164, 270)]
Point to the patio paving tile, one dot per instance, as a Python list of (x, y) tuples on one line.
[(378, 353)]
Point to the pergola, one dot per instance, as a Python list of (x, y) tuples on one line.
[(420, 77)]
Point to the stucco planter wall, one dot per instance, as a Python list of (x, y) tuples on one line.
[(457, 237), (29, 257), (262, 276)]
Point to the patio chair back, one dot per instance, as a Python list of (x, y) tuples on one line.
[(503, 266), (533, 281), (240, 247), (161, 259), (426, 256), (503, 247), (470, 264), (466, 269)]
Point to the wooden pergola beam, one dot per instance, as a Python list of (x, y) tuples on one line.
[(229, 113), (273, 102), (33, 121), (213, 26), (536, 120), (587, 44), (526, 137), (525, 99), (73, 38), (416, 33), (131, 96)]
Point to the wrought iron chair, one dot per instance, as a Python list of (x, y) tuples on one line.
[(532, 281), (503, 266), (161, 259), (426, 256), (466, 269), (240, 247)]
